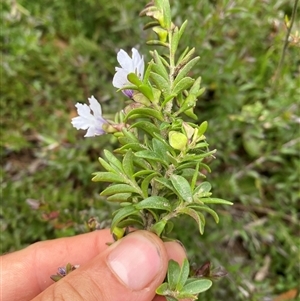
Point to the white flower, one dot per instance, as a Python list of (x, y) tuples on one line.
[(87, 121), (128, 65)]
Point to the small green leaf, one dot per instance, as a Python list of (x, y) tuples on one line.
[(194, 157), (173, 274), (124, 140), (183, 84), (125, 204), (133, 221), (202, 189), (161, 147), (122, 214), (119, 197), (146, 182), (158, 67), (188, 104), (155, 215), (197, 286), (154, 202), (190, 113), (197, 216), (202, 144), (195, 176), (195, 88), (202, 128), (168, 98), (165, 182), (185, 56), (134, 146), (128, 164), (147, 91), (172, 158), (182, 28), (150, 25), (207, 209), (183, 70), (163, 289), (141, 98), (107, 177), (188, 173), (157, 43), (58, 277), (127, 87), (150, 155), (164, 7), (134, 79), (159, 227), (119, 188), (146, 126), (69, 268), (183, 276), (141, 163), (144, 112), (113, 160), (174, 40), (147, 73), (215, 201), (106, 165), (169, 227), (182, 187), (161, 83), (185, 165), (156, 95), (130, 135), (142, 173)]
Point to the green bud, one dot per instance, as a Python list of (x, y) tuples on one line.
[(141, 98), (162, 33), (118, 233), (159, 227), (108, 128), (178, 140), (189, 130)]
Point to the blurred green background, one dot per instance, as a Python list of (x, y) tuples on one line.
[(57, 53)]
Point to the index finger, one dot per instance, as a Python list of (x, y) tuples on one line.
[(26, 273)]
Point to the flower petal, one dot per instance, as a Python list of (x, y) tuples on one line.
[(120, 78), (95, 106), (91, 122), (128, 65), (124, 60)]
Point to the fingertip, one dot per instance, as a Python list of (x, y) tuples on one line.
[(175, 251), (139, 259)]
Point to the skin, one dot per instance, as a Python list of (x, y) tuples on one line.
[(26, 273)]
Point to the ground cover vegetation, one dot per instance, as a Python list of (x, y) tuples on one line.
[(57, 53)]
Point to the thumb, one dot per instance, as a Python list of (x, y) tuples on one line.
[(129, 270)]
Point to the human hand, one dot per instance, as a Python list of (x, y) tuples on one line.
[(130, 269)]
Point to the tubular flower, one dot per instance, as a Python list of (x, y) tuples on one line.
[(91, 122), (128, 65)]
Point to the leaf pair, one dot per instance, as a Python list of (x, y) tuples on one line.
[(179, 286)]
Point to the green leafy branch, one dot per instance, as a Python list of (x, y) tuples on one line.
[(159, 171)]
